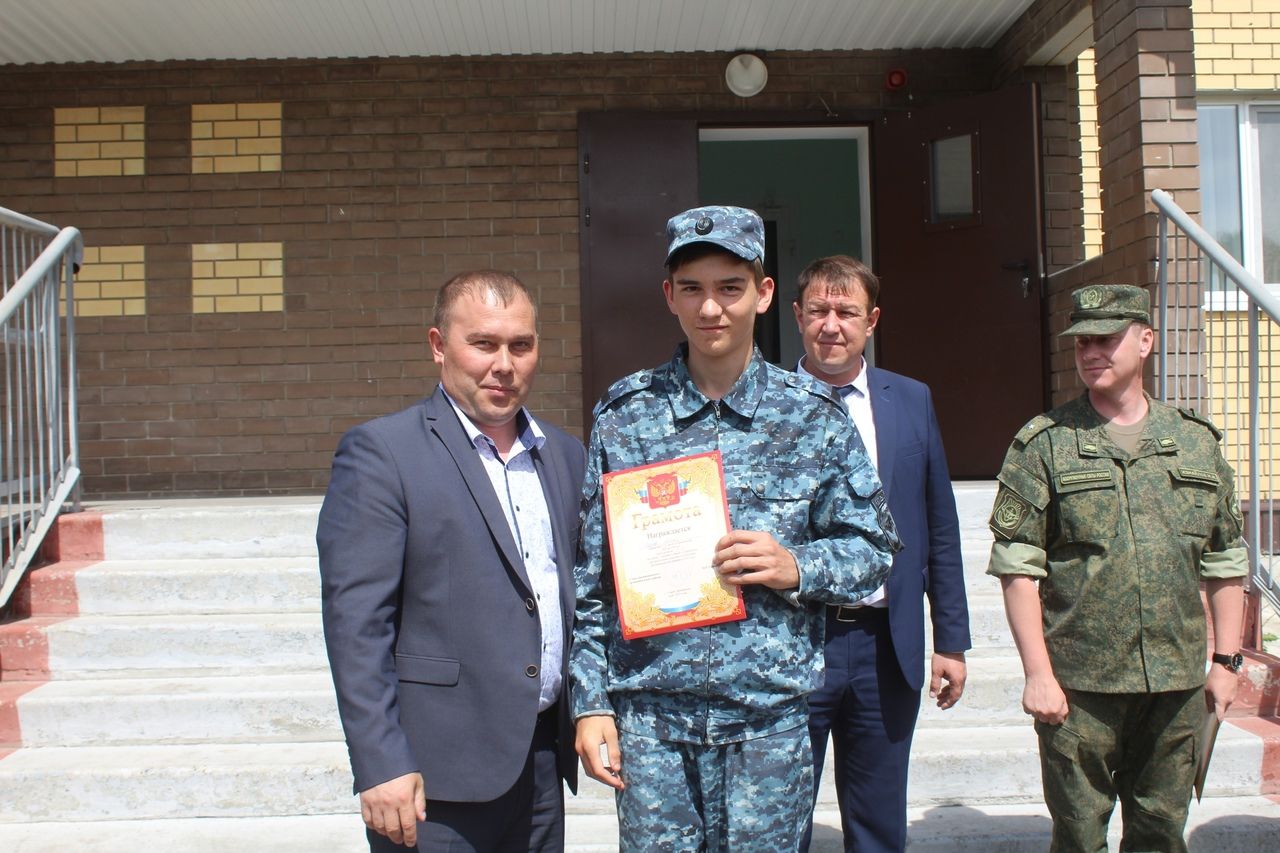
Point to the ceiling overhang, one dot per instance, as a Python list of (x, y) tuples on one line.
[(69, 31)]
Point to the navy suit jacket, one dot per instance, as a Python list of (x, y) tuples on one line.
[(917, 483), (429, 618)]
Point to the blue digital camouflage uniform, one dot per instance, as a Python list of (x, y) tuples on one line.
[(794, 467), (1119, 544)]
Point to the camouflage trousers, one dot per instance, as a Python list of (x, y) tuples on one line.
[(1140, 747), (755, 795)]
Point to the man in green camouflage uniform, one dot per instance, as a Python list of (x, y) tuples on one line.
[(1118, 506), (705, 729)]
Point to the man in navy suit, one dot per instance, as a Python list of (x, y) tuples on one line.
[(447, 540), (875, 648)]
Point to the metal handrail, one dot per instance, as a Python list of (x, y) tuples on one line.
[(39, 446), (1199, 365)]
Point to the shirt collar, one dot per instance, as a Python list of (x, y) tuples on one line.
[(743, 397), (859, 384), (528, 434)]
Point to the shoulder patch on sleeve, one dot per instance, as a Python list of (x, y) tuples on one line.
[(1008, 513), (1203, 420), (625, 386), (1032, 428)]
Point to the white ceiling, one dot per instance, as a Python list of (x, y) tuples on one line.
[(125, 30)]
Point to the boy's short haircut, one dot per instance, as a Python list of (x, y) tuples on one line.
[(697, 251)]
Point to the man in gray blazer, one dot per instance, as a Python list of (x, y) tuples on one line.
[(447, 541)]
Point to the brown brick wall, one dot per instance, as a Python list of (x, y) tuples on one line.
[(395, 174), (1147, 140)]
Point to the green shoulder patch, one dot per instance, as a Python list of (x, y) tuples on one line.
[(1032, 428), (1203, 420), (1010, 510)]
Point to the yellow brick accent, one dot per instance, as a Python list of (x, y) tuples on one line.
[(123, 254), (122, 115), (267, 251), (1089, 152), (1237, 44), (214, 251), (235, 137), (212, 147), (111, 282), (91, 141), (237, 304), (237, 277), (99, 168), (258, 111), (236, 164), (213, 287), (213, 112)]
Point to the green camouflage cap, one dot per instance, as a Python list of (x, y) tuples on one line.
[(1104, 309), (734, 228)]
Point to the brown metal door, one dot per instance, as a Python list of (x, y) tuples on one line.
[(961, 266), (638, 170)]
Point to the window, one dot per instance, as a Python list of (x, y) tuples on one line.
[(952, 177), (1240, 200)]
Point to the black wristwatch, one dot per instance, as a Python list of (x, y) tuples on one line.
[(1232, 662)]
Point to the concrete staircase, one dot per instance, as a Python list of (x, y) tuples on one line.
[(164, 684)]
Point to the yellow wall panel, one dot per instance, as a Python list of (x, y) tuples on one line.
[(89, 141), (111, 282), (237, 277), (250, 134)]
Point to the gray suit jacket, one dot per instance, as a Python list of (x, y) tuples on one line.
[(428, 613)]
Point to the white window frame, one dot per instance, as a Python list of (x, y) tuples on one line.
[(1250, 188)]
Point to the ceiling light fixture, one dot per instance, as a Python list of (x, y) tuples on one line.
[(746, 75)]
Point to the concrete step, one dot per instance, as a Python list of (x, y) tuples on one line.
[(336, 833), (214, 528), (973, 503), (1219, 825), (165, 646), (124, 711), (1216, 825), (185, 781), (991, 765), (992, 696), (172, 586), (988, 626)]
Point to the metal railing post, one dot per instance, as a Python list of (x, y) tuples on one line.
[(39, 452)]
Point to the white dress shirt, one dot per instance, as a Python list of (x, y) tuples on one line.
[(524, 504), (857, 399)]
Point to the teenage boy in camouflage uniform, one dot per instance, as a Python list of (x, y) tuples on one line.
[(706, 729), (1118, 505)]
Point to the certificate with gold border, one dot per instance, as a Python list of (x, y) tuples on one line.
[(664, 521)]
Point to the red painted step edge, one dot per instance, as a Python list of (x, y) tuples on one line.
[(75, 536), (49, 592), (1268, 729)]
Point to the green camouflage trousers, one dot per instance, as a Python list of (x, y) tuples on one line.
[(754, 795), (1140, 747)]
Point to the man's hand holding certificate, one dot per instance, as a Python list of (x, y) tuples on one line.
[(665, 522)]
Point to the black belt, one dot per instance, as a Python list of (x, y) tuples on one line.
[(855, 612)]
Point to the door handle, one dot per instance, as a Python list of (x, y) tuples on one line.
[(1023, 267)]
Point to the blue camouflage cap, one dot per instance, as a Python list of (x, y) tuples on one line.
[(734, 228)]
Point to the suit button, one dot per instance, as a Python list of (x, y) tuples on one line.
[(531, 671), (528, 604)]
